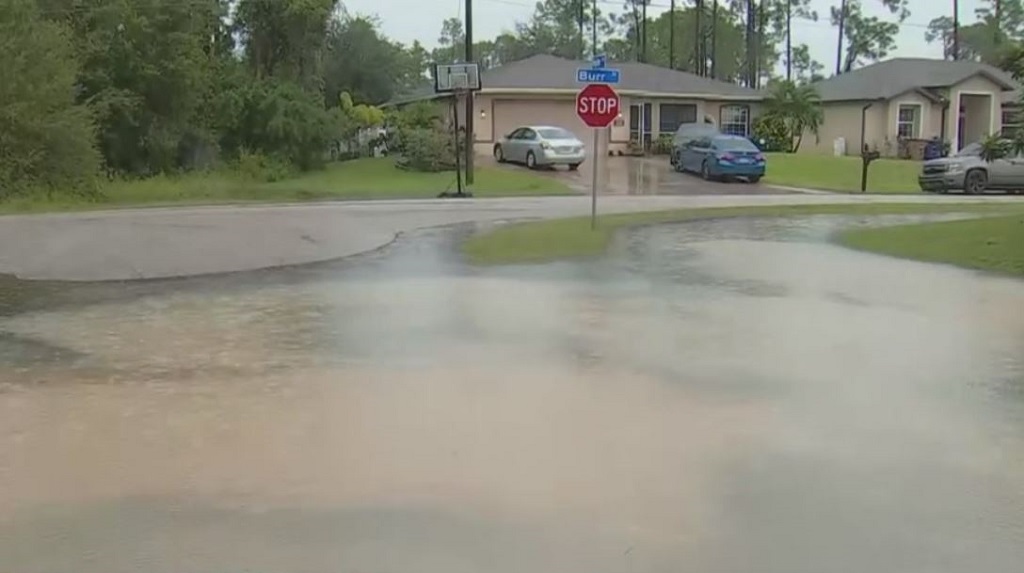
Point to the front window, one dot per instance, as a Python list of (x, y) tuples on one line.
[(908, 123), (734, 120), (672, 115), (1011, 121)]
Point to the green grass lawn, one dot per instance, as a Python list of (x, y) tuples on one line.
[(358, 179), (990, 243), (830, 173), (544, 241)]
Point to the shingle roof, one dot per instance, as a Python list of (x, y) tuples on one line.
[(551, 72), (899, 75)]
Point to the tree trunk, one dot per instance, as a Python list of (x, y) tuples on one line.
[(956, 30), (579, 22), (698, 33), (789, 40), (761, 21), (672, 35), (714, 39), (643, 41), (839, 42), (998, 32), (751, 54)]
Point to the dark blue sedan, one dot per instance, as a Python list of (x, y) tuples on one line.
[(722, 157)]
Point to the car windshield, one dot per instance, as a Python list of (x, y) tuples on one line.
[(733, 144), (972, 150), (555, 133)]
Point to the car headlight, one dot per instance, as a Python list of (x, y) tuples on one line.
[(954, 167)]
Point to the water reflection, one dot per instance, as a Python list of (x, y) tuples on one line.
[(724, 396)]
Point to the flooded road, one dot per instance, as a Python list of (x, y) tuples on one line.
[(723, 396)]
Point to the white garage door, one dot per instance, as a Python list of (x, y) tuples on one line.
[(510, 114)]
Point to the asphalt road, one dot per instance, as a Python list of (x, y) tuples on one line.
[(172, 242)]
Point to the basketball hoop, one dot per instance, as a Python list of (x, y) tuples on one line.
[(456, 78)]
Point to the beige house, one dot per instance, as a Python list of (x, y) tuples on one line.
[(541, 90), (907, 99)]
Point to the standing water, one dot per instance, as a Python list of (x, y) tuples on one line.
[(718, 396)]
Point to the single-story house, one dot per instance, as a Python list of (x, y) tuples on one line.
[(541, 90), (911, 98)]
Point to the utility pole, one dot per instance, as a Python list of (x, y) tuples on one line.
[(789, 40), (470, 138), (714, 38), (956, 30), (672, 35), (839, 43), (593, 30)]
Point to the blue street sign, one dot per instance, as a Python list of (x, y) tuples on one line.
[(597, 76), (600, 62)]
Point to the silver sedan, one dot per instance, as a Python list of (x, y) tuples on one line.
[(541, 146)]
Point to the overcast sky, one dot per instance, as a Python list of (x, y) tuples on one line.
[(408, 20)]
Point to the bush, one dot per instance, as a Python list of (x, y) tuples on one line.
[(47, 143), (260, 167), (429, 150), (773, 131), (662, 145)]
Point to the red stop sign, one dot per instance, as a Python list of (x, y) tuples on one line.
[(597, 105)]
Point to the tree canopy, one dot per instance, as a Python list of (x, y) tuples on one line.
[(140, 87)]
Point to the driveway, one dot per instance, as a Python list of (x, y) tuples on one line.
[(651, 176)]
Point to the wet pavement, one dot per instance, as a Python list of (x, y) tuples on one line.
[(175, 242), (718, 396)]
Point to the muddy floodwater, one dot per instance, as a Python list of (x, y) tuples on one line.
[(717, 397)]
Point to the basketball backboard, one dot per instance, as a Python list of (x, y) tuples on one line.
[(449, 78)]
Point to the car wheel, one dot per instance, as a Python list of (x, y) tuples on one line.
[(755, 179), (499, 154), (531, 160), (975, 182), (705, 171), (574, 166)]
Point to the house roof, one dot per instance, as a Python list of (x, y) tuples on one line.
[(891, 78), (546, 72)]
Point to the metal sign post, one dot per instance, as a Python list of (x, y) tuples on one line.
[(593, 182), (597, 105)]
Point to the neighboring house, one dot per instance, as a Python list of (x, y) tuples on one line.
[(541, 90), (911, 99)]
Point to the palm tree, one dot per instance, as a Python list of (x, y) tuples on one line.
[(799, 107)]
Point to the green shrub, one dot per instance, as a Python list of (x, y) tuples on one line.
[(47, 143), (260, 167), (771, 129), (429, 150), (662, 145)]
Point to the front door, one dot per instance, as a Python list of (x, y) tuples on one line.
[(640, 124)]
